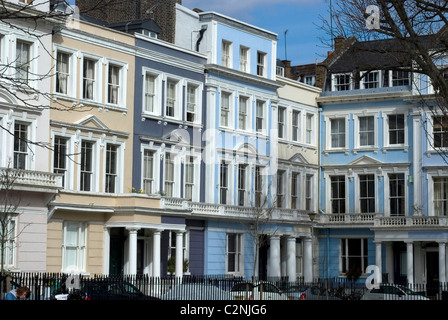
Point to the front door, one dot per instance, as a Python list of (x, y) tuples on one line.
[(116, 255), (432, 272)]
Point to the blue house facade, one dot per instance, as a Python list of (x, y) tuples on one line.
[(381, 184), (246, 231), (168, 126)]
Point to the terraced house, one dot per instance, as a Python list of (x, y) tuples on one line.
[(92, 137), (27, 186), (240, 159), (382, 180)]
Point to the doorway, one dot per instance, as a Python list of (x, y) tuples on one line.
[(116, 255), (432, 272), (263, 258)]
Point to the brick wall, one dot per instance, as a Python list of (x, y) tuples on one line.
[(161, 11)]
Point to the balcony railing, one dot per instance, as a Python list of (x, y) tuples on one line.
[(413, 221), (378, 220), (31, 180), (209, 209)]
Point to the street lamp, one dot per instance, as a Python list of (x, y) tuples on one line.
[(312, 216)]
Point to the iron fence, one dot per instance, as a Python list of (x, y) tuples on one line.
[(48, 286)]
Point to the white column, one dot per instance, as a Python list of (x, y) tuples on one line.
[(132, 251), (389, 262), (308, 260), (378, 258), (106, 251), (291, 258), (179, 254), (442, 262), (156, 253), (274, 257), (410, 262)]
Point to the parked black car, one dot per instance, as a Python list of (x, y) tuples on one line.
[(107, 290)]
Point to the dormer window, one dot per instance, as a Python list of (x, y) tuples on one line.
[(400, 78), (372, 80), (342, 82)]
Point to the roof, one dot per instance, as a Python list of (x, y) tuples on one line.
[(380, 54)]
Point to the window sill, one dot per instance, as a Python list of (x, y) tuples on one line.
[(373, 149), (403, 147), (297, 144), (340, 150)]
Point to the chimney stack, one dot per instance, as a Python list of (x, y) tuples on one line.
[(339, 43)]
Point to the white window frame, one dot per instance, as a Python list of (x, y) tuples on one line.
[(244, 59), (328, 191), (337, 86), (296, 129), (387, 211), (311, 196), (239, 253), (11, 243), (122, 90), (227, 186), (28, 152), (437, 172), (157, 98), (386, 126), (72, 71), (297, 185), (244, 188), (119, 166), (344, 260), (366, 81), (178, 99), (175, 158), (81, 248), (282, 129), (198, 89), (262, 66), (196, 175), (247, 112), (357, 132), (31, 58), (328, 146), (430, 128), (227, 53), (156, 151), (264, 118), (228, 109), (282, 190), (357, 194), (95, 183), (98, 78), (401, 79), (310, 129), (65, 171)]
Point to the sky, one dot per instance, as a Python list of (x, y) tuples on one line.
[(296, 22)]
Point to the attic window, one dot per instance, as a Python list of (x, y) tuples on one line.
[(149, 33), (342, 82)]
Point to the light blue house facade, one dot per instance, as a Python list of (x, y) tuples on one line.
[(240, 149), (381, 198)]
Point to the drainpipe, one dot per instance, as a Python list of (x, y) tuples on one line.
[(201, 35)]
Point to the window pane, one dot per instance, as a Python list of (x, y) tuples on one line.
[(89, 79), (338, 133), (114, 84), (149, 93)]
